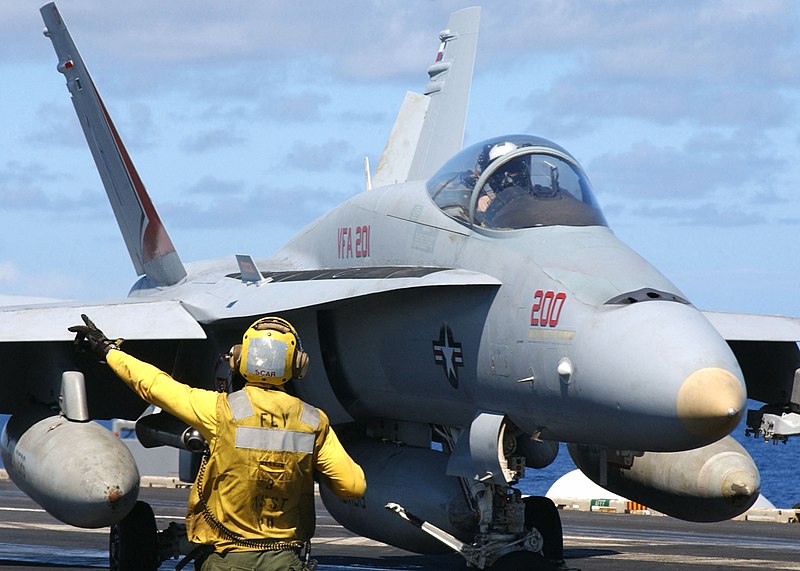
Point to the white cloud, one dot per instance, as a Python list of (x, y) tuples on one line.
[(333, 154), (707, 163), (212, 185), (211, 139), (8, 272), (682, 112), (288, 205)]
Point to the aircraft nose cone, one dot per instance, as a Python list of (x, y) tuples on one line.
[(655, 376), (711, 402)]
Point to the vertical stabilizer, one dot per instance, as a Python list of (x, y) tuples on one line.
[(146, 238), (398, 153), (442, 133)]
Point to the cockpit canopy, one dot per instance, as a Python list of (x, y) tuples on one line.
[(512, 182)]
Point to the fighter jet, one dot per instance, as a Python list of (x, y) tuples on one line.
[(466, 313)]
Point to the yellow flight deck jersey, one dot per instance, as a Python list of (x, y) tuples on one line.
[(265, 447)]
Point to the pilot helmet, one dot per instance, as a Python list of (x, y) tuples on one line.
[(512, 173), (501, 149), (270, 354)]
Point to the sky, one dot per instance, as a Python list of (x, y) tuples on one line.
[(248, 120)]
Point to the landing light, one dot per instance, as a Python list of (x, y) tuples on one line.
[(565, 370)]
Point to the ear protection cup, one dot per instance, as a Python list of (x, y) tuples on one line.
[(301, 364), (235, 357)]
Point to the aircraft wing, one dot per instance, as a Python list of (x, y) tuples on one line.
[(35, 344), (747, 327), (289, 290), (767, 351), (132, 319), (153, 320)]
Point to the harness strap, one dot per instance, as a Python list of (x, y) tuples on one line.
[(198, 552)]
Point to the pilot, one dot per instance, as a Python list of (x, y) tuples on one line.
[(513, 174), (252, 505)]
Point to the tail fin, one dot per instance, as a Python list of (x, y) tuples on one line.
[(146, 238), (434, 122)]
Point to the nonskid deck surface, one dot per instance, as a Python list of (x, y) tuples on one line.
[(31, 539)]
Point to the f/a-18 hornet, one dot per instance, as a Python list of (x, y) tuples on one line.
[(465, 314)]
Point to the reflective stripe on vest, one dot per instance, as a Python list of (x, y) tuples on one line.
[(310, 416), (274, 440), (240, 405)]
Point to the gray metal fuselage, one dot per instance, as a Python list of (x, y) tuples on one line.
[(373, 354)]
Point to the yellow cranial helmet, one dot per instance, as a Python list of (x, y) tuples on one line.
[(270, 353)]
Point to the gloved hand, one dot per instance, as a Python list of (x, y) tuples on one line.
[(89, 338)]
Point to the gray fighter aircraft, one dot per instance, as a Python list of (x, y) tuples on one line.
[(466, 313)]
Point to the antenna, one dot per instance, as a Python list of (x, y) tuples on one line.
[(366, 173)]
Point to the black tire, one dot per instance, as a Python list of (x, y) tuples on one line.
[(133, 544), (542, 513)]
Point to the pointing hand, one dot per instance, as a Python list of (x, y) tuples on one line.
[(90, 339)]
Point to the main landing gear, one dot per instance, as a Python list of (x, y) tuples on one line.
[(135, 544), (515, 533)]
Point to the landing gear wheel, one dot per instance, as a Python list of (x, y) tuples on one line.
[(542, 513), (133, 544)]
